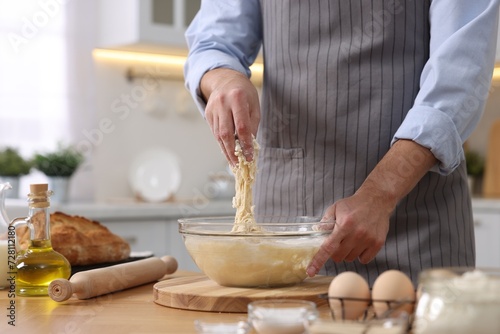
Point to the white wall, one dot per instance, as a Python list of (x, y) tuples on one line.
[(478, 141), (127, 129)]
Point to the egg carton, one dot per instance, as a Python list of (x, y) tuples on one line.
[(392, 308), (392, 319)]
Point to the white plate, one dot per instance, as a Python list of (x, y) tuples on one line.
[(155, 175)]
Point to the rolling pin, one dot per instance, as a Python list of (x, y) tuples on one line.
[(96, 282)]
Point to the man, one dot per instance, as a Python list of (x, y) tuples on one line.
[(365, 107)]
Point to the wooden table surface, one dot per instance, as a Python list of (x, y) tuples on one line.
[(128, 311)]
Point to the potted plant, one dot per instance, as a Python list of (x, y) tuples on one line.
[(475, 169), (12, 167), (59, 166)]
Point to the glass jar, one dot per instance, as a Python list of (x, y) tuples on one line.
[(458, 300), (38, 264)]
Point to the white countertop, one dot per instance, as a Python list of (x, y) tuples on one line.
[(486, 204), (130, 209)]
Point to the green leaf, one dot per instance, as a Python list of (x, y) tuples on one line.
[(12, 163), (63, 162), (475, 163)]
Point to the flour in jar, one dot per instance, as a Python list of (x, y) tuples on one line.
[(468, 303)]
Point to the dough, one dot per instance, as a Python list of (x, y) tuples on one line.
[(244, 176), (253, 261)]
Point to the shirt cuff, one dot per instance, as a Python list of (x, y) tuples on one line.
[(197, 65), (436, 131)]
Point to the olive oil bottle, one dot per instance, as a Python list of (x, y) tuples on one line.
[(38, 264)]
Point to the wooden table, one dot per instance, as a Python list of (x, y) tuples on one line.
[(128, 311)]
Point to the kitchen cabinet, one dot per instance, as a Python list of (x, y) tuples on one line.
[(178, 250), (158, 236), (165, 21), (142, 235), (145, 23), (487, 231), (497, 57)]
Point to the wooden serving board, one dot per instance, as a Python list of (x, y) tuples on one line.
[(199, 293)]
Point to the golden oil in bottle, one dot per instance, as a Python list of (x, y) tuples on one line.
[(39, 264)]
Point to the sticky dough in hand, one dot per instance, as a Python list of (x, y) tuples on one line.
[(244, 175)]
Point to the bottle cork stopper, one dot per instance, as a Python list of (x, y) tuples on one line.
[(39, 195), (39, 187)]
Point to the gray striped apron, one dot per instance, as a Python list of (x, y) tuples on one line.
[(340, 76)]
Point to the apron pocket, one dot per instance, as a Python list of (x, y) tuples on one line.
[(279, 188)]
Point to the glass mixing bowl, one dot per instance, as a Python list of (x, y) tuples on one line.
[(276, 256)]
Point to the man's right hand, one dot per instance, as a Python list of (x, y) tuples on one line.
[(232, 109)]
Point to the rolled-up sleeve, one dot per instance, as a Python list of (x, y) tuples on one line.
[(456, 79), (223, 34)]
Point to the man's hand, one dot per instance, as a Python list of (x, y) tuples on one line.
[(362, 220), (232, 109)]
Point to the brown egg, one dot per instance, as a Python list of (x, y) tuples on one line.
[(395, 290), (348, 285)]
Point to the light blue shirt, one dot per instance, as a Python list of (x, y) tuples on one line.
[(454, 84)]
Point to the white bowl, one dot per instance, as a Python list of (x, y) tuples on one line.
[(221, 327), (155, 175), (280, 316)]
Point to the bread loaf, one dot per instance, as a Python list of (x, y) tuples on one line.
[(80, 240)]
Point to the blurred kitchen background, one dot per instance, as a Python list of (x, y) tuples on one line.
[(63, 80), (106, 78)]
